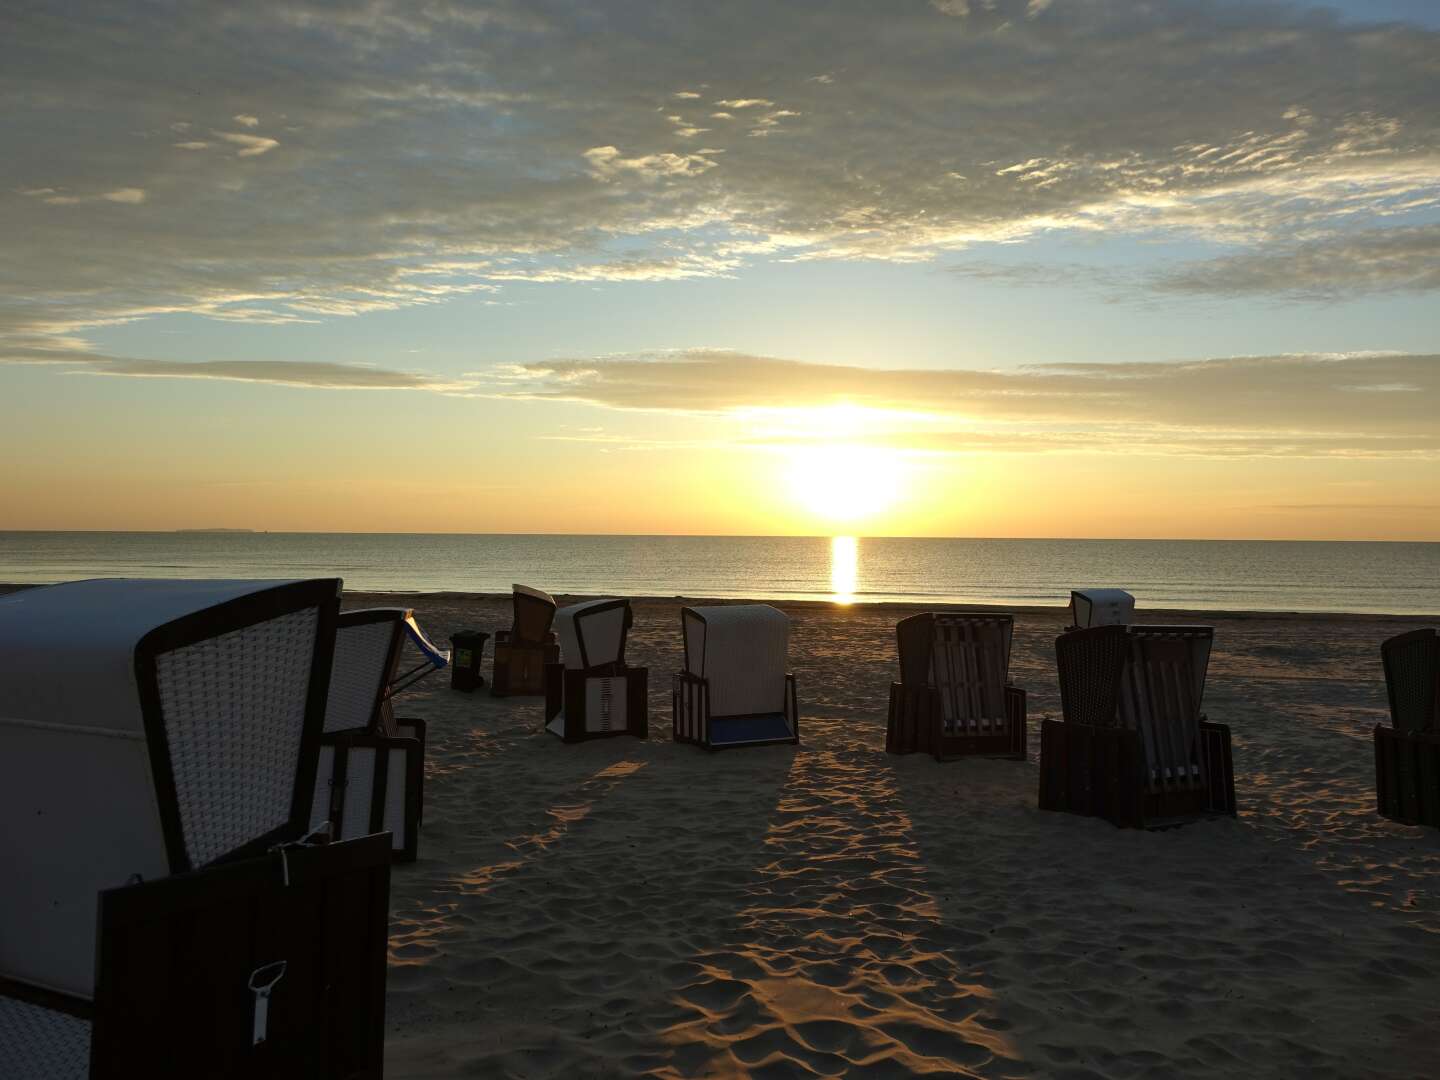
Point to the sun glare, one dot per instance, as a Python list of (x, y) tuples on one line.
[(844, 482)]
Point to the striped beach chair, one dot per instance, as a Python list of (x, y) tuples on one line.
[(1134, 747), (372, 764), (1407, 753), (592, 693), (735, 690), (954, 697)]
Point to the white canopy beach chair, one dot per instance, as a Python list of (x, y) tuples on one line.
[(365, 677), (147, 728), (954, 696), (735, 690), (1100, 607), (592, 693), (522, 652)]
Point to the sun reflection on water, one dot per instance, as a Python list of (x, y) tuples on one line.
[(844, 568)]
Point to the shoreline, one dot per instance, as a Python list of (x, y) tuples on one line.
[(414, 598)]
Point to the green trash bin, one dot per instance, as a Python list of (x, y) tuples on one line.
[(466, 650)]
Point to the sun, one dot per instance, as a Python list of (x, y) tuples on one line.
[(844, 482)]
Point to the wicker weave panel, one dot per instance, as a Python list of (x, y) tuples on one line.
[(233, 708), (1412, 677), (355, 680), (41, 1044)]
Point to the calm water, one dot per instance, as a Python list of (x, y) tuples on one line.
[(1236, 575)]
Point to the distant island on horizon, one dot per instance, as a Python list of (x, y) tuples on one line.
[(216, 530)]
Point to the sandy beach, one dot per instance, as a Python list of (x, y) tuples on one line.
[(625, 908)]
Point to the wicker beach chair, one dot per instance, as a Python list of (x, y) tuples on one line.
[(1100, 607), (1407, 754), (522, 652), (1134, 747), (735, 690), (151, 728), (372, 764), (954, 696), (593, 693)]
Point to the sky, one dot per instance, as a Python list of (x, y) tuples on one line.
[(1096, 268)]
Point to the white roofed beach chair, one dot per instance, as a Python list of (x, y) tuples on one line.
[(1134, 747), (372, 764), (592, 693), (147, 729), (735, 690), (522, 652), (1100, 607), (954, 696)]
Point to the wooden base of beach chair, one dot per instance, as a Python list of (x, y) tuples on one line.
[(692, 721), (915, 724), (582, 705), (519, 669), (370, 784), (1407, 776), (1099, 772), (179, 961)]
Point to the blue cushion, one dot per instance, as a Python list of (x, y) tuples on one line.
[(759, 727)]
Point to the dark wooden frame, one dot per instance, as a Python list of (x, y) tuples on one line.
[(565, 689), (232, 615), (1407, 753), (519, 667), (408, 847), (1098, 768), (690, 704), (915, 721), (174, 957)]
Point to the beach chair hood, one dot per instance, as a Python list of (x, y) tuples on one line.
[(1100, 607), (592, 634), (743, 650), (534, 612)]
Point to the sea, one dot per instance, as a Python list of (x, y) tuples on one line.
[(1227, 575)]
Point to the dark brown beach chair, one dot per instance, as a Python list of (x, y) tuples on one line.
[(522, 652), (1407, 754), (954, 696), (1134, 747), (265, 967), (593, 693)]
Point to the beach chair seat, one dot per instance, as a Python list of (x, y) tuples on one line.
[(147, 728), (592, 693), (271, 966), (1134, 747), (735, 690), (1407, 753), (522, 652), (954, 697)]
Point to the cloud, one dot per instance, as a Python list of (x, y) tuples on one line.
[(1217, 123), (295, 373), (55, 197), (1392, 260), (250, 145), (1288, 406)]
